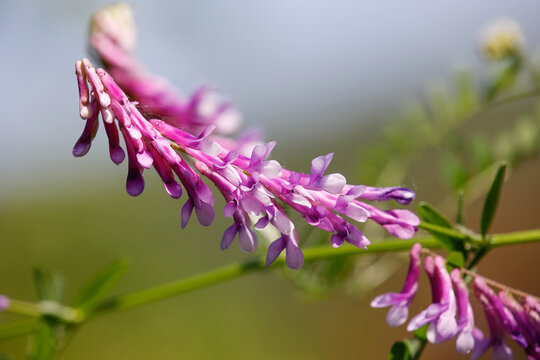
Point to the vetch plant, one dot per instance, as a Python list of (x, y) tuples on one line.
[(188, 142)]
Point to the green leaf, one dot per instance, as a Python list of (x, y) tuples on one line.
[(440, 227), (47, 286), (407, 349), (430, 215), (100, 284), (41, 344), (455, 259), (400, 351), (492, 200)]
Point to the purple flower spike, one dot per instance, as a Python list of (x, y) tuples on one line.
[(465, 340), (440, 315), (496, 340), (400, 302), (126, 96)]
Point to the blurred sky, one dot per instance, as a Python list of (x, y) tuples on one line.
[(299, 68)]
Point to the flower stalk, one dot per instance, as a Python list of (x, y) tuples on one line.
[(229, 272)]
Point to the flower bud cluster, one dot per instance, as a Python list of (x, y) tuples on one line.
[(451, 315)]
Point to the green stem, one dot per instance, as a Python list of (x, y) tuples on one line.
[(513, 238), (24, 308), (443, 231), (195, 282), (182, 286), (161, 292)]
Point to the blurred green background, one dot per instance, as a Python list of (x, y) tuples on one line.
[(73, 215)]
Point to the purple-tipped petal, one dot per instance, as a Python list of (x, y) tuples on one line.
[(398, 314), (84, 142), (282, 222), (401, 195), (446, 326), (465, 341), (260, 152), (356, 237), (116, 153), (204, 193), (247, 239), (135, 183), (230, 208), (274, 250), (387, 299), (173, 189), (319, 166), (185, 214), (261, 223), (205, 214), (400, 231), (294, 258), (228, 236)]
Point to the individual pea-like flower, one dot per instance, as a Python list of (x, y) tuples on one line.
[(441, 314), (400, 302), (465, 317)]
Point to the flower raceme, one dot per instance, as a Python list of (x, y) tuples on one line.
[(450, 313), (184, 138), (252, 186)]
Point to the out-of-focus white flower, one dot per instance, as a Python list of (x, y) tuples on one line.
[(501, 38)]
